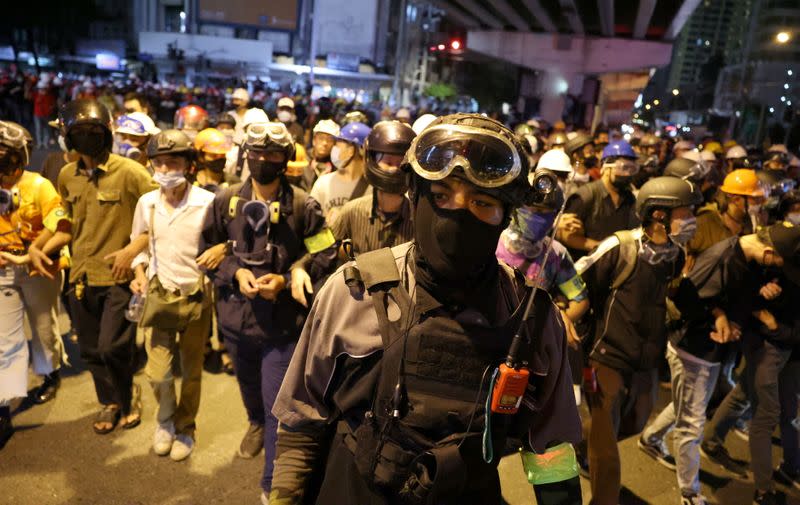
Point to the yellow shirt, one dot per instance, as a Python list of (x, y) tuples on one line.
[(37, 206)]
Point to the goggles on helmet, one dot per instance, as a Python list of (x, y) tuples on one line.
[(488, 160), (261, 135)]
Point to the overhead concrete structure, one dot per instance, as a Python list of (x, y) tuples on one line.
[(568, 40)]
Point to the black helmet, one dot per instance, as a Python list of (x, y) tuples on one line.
[(170, 142), (684, 168), (577, 142), (271, 136), (502, 172), (225, 118), (666, 193), (85, 111), (355, 116), (391, 137), (787, 200), (17, 141)]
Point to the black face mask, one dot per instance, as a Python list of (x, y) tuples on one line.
[(295, 179), (265, 172), (454, 243), (622, 182), (590, 161), (89, 145), (215, 165)]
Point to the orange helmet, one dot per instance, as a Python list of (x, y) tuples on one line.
[(212, 141), (743, 182), (300, 160), (191, 117)]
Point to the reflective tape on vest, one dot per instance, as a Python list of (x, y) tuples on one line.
[(320, 241)]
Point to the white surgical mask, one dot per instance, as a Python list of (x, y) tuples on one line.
[(284, 116), (336, 158), (169, 180)]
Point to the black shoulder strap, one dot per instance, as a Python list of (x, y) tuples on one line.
[(378, 268), (360, 188), (298, 219)]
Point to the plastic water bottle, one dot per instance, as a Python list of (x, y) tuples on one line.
[(135, 308)]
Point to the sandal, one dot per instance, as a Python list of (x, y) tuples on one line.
[(109, 414), (136, 409)]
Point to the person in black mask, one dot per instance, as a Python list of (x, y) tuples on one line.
[(277, 243), (387, 395), (100, 191), (211, 146), (600, 208)]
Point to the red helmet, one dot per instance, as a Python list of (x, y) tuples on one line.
[(191, 117)]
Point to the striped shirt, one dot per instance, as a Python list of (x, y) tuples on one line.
[(354, 223)]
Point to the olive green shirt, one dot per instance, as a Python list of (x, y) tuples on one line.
[(101, 206)]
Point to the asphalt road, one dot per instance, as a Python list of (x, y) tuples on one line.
[(56, 459)]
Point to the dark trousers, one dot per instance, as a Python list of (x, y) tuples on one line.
[(620, 406), (260, 367), (107, 341), (766, 369)]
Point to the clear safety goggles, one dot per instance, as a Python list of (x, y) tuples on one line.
[(488, 160), (698, 171), (623, 166)]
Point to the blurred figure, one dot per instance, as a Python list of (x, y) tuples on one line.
[(286, 115), (580, 150), (136, 102), (322, 142), (240, 101), (190, 120), (211, 147), (403, 115), (44, 107)]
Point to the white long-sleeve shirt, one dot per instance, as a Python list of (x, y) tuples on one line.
[(176, 236)]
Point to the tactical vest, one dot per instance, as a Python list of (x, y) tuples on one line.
[(421, 439)]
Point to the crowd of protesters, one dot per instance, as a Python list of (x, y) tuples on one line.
[(209, 224)]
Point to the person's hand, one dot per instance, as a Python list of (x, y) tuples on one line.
[(139, 283), (211, 257), (301, 284), (767, 319), (270, 285), (770, 290), (570, 224), (248, 285), (572, 335), (14, 259), (121, 268), (724, 331), (40, 262)]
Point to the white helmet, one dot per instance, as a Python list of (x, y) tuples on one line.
[(683, 144), (328, 126), (254, 115), (422, 122), (555, 160), (778, 148), (136, 123), (708, 155), (735, 152), (693, 155)]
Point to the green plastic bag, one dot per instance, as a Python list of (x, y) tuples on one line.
[(555, 465)]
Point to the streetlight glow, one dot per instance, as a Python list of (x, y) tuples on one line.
[(783, 37), (788, 72), (771, 110), (656, 101), (647, 106), (675, 91), (785, 86)]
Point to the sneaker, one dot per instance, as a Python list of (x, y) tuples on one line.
[(767, 498), (658, 451), (253, 441), (789, 476), (721, 457), (182, 447), (694, 499), (163, 438)]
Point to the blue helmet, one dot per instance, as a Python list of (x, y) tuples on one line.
[(618, 148), (355, 133)]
